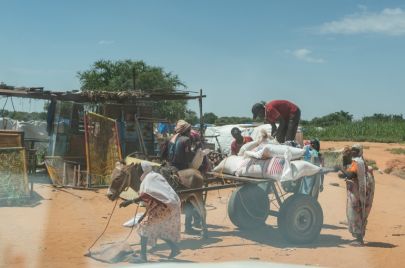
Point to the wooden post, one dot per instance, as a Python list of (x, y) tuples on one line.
[(64, 174), (201, 116), (86, 141), (117, 136), (79, 175), (74, 175)]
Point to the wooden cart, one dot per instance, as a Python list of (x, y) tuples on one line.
[(299, 216)]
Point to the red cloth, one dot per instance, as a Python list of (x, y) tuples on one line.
[(235, 147), (277, 108)]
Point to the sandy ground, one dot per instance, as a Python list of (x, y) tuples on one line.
[(58, 229)]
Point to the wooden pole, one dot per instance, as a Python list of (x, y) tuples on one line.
[(118, 140), (86, 141), (201, 116)]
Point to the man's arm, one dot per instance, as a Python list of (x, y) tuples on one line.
[(273, 129)]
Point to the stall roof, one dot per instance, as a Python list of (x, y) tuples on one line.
[(121, 97)]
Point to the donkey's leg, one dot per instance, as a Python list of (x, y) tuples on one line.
[(188, 211), (198, 203)]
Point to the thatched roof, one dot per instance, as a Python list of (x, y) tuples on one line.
[(97, 96)]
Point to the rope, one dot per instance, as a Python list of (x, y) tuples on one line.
[(132, 228), (108, 222)]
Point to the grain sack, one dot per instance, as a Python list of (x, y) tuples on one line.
[(229, 165), (262, 169), (299, 168), (276, 150)]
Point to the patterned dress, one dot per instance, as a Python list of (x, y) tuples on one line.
[(162, 218), (162, 222), (360, 194)]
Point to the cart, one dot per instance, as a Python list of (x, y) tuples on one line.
[(299, 216)]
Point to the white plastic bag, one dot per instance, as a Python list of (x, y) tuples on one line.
[(133, 221)]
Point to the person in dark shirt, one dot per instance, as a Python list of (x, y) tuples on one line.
[(283, 112), (238, 141), (180, 154)]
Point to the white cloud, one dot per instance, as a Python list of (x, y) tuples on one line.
[(106, 42), (305, 55), (388, 22)]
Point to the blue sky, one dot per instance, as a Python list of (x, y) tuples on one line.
[(325, 56)]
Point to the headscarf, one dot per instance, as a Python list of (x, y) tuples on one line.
[(146, 166), (362, 179), (156, 186), (182, 126), (358, 147)]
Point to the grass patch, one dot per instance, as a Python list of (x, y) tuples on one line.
[(375, 131), (396, 150), (371, 163)]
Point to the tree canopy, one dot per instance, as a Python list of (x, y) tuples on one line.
[(123, 75)]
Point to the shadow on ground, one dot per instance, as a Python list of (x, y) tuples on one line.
[(267, 235)]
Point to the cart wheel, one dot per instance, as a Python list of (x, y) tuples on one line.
[(248, 207), (300, 219)]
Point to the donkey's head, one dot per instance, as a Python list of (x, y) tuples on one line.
[(122, 177)]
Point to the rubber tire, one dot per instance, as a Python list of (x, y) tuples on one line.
[(253, 198), (306, 209)]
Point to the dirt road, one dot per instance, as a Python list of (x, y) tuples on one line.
[(59, 228)]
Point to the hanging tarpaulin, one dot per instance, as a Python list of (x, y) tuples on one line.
[(103, 148)]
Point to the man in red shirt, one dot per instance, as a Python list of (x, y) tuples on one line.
[(238, 141), (286, 113)]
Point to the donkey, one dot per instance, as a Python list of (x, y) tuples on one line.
[(124, 176)]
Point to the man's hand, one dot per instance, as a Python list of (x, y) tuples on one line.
[(126, 203)]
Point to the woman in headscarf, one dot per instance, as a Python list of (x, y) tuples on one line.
[(162, 216), (360, 193)]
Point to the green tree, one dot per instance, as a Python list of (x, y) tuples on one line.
[(123, 75), (191, 117), (210, 118), (332, 119)]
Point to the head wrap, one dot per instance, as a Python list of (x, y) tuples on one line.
[(358, 147), (182, 126), (146, 167)]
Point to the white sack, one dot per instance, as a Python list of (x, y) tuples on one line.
[(262, 169), (276, 150), (298, 169), (248, 147), (229, 165)]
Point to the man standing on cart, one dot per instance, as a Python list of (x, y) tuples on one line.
[(283, 112)]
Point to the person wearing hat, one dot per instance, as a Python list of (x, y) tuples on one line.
[(180, 153), (238, 141), (360, 186), (283, 112), (162, 217)]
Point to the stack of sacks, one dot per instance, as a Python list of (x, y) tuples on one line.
[(275, 150), (265, 160)]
